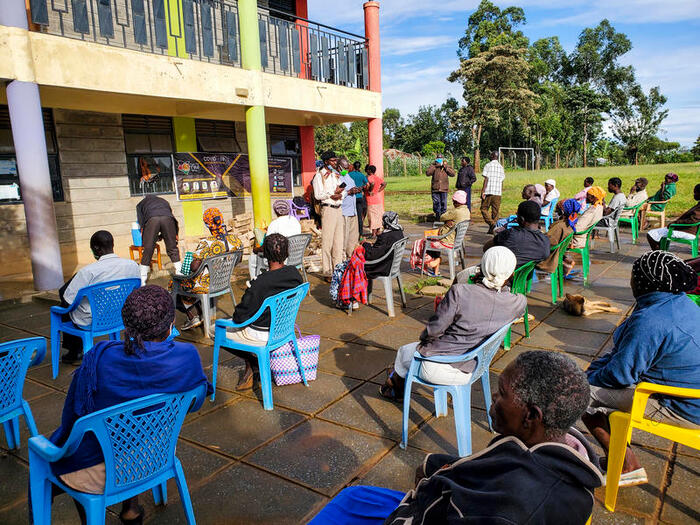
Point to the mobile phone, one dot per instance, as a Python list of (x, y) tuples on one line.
[(342, 185)]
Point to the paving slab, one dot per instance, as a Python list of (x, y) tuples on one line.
[(47, 412), (8, 333), (388, 336), (357, 360), (439, 434), (604, 323), (395, 471), (565, 340), (511, 355), (681, 499)]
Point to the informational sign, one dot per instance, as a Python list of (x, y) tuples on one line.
[(200, 176), (8, 167)]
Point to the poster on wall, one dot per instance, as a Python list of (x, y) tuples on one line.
[(200, 176)]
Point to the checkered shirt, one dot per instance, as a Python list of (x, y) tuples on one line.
[(495, 174)]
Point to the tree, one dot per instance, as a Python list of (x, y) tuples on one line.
[(547, 58), (360, 135), (392, 122), (334, 137), (494, 81), (433, 147), (695, 150), (586, 106), (490, 26), (426, 125)]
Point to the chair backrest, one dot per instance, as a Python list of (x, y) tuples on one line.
[(297, 247), (587, 233), (138, 437), (15, 358), (486, 351), (398, 248), (460, 231), (106, 302), (615, 215), (552, 206), (562, 246), (521, 276), (220, 268), (284, 307)]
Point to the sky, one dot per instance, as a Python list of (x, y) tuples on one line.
[(419, 46)]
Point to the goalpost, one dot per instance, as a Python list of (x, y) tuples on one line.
[(512, 154)]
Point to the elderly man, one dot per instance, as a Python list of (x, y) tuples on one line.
[(536, 471), (351, 232), (551, 193), (638, 194), (285, 224), (329, 192), (658, 343), (492, 190), (440, 184)]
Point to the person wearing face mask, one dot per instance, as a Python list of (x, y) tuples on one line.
[(330, 192), (439, 171)]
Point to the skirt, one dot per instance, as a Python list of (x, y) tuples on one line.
[(374, 214)]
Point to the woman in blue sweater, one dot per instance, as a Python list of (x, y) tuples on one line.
[(659, 343), (113, 372)]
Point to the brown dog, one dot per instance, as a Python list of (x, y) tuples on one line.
[(579, 305)]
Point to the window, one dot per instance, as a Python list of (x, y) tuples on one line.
[(284, 142), (216, 136), (149, 142), (10, 190)]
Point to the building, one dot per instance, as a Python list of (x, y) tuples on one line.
[(94, 87)]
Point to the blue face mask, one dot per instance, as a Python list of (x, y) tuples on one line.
[(173, 334), (439, 161)]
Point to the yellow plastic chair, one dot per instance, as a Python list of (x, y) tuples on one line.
[(622, 423)]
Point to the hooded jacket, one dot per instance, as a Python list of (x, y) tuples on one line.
[(506, 483)]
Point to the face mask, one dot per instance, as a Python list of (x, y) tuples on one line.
[(174, 332), (439, 161)]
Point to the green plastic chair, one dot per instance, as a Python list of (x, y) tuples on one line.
[(557, 276), (522, 283), (584, 253), (695, 298), (693, 243), (633, 221)]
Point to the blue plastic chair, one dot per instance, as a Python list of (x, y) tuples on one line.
[(15, 358), (461, 394), (284, 307), (106, 302), (138, 440), (549, 218)]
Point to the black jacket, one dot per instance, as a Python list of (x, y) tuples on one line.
[(466, 177), (507, 483), (380, 247), (152, 206)]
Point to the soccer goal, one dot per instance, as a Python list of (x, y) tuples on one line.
[(517, 158)]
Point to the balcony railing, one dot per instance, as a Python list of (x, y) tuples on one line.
[(290, 45)]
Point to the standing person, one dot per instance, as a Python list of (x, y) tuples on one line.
[(440, 184), (550, 187), (491, 191), (328, 192), (375, 206), (361, 182), (351, 236), (617, 202), (581, 195), (638, 194), (156, 220), (665, 192), (465, 178)]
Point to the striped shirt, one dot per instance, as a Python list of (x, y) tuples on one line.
[(495, 174)]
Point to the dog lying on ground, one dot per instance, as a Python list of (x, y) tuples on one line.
[(579, 305)]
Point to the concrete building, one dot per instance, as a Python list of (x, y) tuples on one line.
[(92, 88)]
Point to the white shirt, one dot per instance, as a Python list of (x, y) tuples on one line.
[(554, 194), (109, 267), (495, 174), (285, 225), (325, 182)]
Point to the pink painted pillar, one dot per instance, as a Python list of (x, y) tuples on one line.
[(376, 135), (308, 156)]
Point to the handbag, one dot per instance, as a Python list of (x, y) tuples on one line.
[(284, 365)]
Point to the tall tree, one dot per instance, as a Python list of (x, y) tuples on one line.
[(490, 26), (586, 106), (392, 122), (637, 123), (425, 126), (335, 137), (695, 150), (547, 60)]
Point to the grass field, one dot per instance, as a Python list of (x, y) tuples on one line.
[(569, 182)]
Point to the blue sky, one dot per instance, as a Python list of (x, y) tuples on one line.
[(419, 43)]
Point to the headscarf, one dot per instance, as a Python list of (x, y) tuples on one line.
[(460, 197), (541, 192), (551, 182), (571, 209), (497, 265), (281, 207), (214, 220), (661, 271), (390, 221), (672, 176), (598, 193)]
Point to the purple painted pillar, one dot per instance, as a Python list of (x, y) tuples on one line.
[(32, 164)]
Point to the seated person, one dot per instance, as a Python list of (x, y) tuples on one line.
[(695, 265), (581, 195), (460, 212), (526, 240), (688, 232), (617, 202), (109, 267), (665, 192), (637, 195), (114, 372), (550, 186), (535, 471), (285, 224), (392, 233), (658, 343), (219, 241), (593, 214), (277, 279), (558, 231), (467, 316), (529, 193)]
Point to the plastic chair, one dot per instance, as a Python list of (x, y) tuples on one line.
[(297, 247), (622, 423), (585, 253), (135, 253), (283, 307), (549, 218), (396, 251), (461, 394), (694, 298), (298, 212), (613, 230), (633, 221), (106, 301), (647, 211), (693, 243), (557, 276), (137, 439), (459, 229), (522, 282), (15, 358), (220, 268)]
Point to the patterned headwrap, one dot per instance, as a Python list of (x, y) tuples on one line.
[(661, 271), (390, 221), (147, 313), (281, 207), (598, 193), (672, 176), (214, 220), (571, 208)]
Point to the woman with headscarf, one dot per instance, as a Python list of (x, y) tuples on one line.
[(665, 192), (594, 197), (559, 230), (218, 242), (113, 372), (658, 343), (391, 233), (467, 316)]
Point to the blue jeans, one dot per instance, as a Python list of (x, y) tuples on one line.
[(439, 203)]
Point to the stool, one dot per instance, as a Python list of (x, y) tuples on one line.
[(136, 252)]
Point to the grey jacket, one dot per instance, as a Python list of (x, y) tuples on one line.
[(467, 316)]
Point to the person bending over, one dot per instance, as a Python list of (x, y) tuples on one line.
[(526, 240), (156, 220), (683, 232)]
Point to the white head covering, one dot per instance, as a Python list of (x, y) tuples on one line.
[(497, 265), (551, 182)]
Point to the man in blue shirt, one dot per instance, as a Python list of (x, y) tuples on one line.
[(361, 182), (351, 236), (659, 343)]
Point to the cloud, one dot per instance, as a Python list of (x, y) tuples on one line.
[(406, 46), (403, 88), (629, 12)]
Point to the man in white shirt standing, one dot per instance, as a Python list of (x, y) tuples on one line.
[(109, 267), (492, 190), (285, 224), (329, 192)]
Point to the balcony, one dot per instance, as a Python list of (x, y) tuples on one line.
[(209, 32)]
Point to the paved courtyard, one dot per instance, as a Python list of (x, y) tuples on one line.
[(246, 465)]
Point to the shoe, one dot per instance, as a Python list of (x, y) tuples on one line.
[(631, 479), (192, 323), (245, 382), (71, 358), (138, 520), (355, 305)]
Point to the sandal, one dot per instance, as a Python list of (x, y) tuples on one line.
[(245, 382), (138, 520), (392, 388)]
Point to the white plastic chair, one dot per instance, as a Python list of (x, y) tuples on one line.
[(396, 252), (460, 230), (612, 229)]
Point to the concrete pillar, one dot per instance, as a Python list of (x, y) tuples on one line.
[(308, 156), (255, 116), (375, 130), (302, 11), (28, 135)]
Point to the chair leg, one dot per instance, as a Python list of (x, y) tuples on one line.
[(160, 494), (526, 322), (389, 294), (486, 389), (184, 493), (440, 395), (406, 409), (95, 511), (506, 340), (10, 434), (619, 428), (461, 404), (403, 294), (422, 260), (204, 301), (554, 281), (55, 348), (39, 489), (451, 262), (265, 380), (297, 354), (303, 272)]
